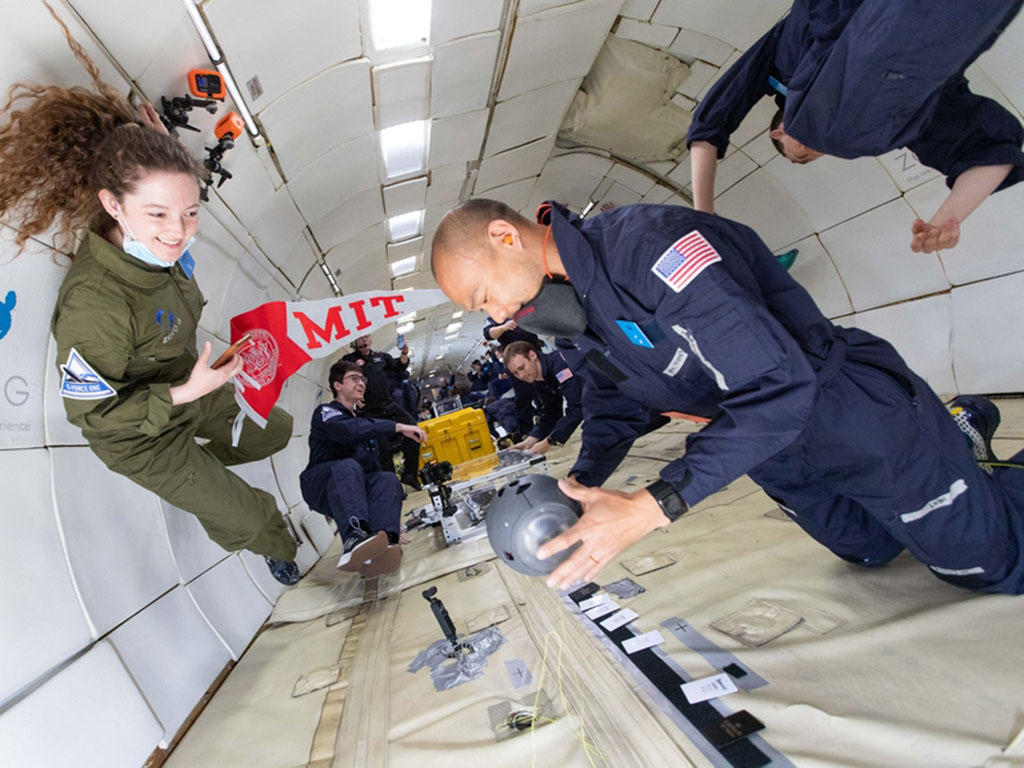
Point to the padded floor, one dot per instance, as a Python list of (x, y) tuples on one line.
[(886, 667)]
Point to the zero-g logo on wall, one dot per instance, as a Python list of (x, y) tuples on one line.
[(166, 320), (304, 330), (7, 312)]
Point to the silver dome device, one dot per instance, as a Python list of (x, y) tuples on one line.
[(527, 513)]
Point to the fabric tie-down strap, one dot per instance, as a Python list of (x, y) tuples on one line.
[(667, 678)]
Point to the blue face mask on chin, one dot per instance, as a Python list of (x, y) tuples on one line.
[(135, 248)]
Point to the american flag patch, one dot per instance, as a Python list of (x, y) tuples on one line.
[(686, 258), (563, 375)]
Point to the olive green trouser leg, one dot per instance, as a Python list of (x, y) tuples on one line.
[(194, 478)]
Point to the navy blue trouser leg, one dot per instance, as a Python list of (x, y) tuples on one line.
[(882, 466), (374, 498), (384, 494)]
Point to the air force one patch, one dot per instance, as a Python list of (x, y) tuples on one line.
[(686, 258), (80, 381)]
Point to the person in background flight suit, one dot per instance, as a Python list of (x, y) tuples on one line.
[(862, 77), (688, 312), (552, 380), (380, 405), (506, 333), (127, 311), (345, 480)]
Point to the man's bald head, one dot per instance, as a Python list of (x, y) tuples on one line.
[(464, 228)]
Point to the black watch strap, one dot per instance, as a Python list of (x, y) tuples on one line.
[(668, 499)]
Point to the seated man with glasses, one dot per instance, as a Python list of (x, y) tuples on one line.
[(344, 478)]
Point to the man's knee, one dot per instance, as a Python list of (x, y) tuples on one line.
[(346, 471)]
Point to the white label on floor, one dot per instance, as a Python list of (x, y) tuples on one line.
[(645, 640), (708, 688), (595, 601), (603, 609), (620, 619)]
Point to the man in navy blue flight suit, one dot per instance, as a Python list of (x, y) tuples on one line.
[(856, 78), (345, 480), (689, 312), (505, 333), (552, 381), (381, 405)]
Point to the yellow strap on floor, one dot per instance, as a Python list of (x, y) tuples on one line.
[(622, 726)]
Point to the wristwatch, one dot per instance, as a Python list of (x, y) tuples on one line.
[(668, 499)]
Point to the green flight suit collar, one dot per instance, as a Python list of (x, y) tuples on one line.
[(124, 265)]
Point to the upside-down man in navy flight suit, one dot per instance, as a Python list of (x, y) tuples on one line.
[(857, 78), (689, 312), (345, 480)]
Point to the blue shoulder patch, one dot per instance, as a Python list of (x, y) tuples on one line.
[(80, 381), (327, 413)]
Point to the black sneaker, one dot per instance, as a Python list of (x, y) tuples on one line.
[(978, 419), (412, 481), (285, 571)]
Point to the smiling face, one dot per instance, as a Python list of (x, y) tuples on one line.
[(363, 344), (162, 212), (351, 389), (526, 367)]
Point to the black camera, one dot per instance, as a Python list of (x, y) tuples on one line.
[(436, 473)]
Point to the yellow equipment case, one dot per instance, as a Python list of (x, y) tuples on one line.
[(456, 437)]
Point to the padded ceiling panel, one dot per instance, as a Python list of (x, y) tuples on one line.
[(872, 253), (150, 24), (515, 195), (737, 22), (988, 347), (349, 219), (298, 259), (558, 44), (695, 45), (450, 19), (284, 43), (279, 224), (338, 174), (461, 77), (329, 110), (529, 116), (457, 137), (405, 196), (402, 92), (515, 164), (864, 185), (990, 240)]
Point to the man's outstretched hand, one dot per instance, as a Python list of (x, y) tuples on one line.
[(611, 521), (929, 237)]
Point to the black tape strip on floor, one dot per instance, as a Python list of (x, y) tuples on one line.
[(739, 754)]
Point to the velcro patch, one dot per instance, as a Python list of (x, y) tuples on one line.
[(686, 258), (563, 375), (328, 413), (80, 381)]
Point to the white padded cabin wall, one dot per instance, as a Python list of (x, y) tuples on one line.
[(121, 611)]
